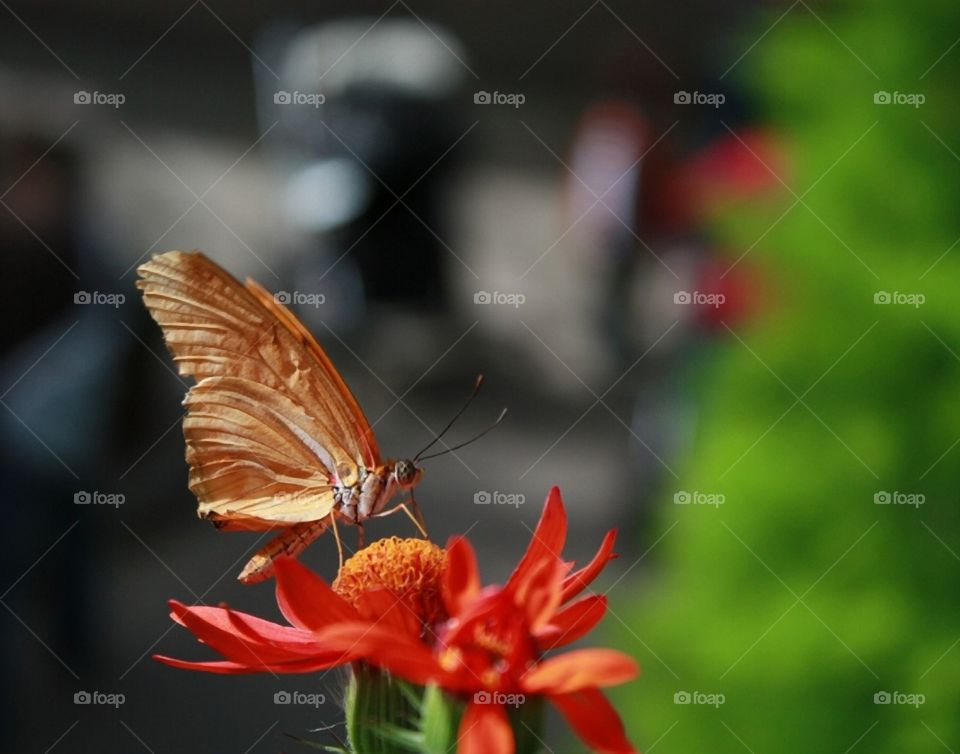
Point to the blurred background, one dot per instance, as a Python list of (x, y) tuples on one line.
[(706, 255)]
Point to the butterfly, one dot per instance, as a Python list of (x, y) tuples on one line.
[(275, 440)]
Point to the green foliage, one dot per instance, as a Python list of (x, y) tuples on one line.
[(799, 598)]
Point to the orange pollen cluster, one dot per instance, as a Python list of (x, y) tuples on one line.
[(491, 642), (409, 568), (450, 658)]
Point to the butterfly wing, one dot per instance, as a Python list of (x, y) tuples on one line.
[(252, 454), (270, 425)]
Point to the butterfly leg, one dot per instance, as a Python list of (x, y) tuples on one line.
[(416, 516), (336, 536)]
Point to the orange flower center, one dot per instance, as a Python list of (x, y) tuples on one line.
[(495, 645), (411, 569)]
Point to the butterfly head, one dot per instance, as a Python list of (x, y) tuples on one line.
[(407, 473)]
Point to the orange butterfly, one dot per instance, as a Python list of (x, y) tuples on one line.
[(275, 439)]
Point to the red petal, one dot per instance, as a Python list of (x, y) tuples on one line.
[(538, 592), (572, 622), (255, 629), (233, 668), (305, 599), (579, 669), (485, 729), (244, 638), (384, 607), (209, 666), (548, 538), (461, 580), (491, 600), (247, 627), (406, 657), (595, 721), (578, 581)]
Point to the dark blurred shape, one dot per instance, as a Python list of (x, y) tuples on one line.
[(39, 188), (39, 191), (365, 180)]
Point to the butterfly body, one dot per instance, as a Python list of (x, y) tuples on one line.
[(375, 489), (275, 439)]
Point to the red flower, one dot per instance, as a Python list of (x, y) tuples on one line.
[(487, 645), (735, 167), (393, 583)]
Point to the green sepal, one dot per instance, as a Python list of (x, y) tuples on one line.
[(440, 715)]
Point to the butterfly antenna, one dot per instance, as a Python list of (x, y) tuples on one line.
[(435, 440), (472, 439)]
